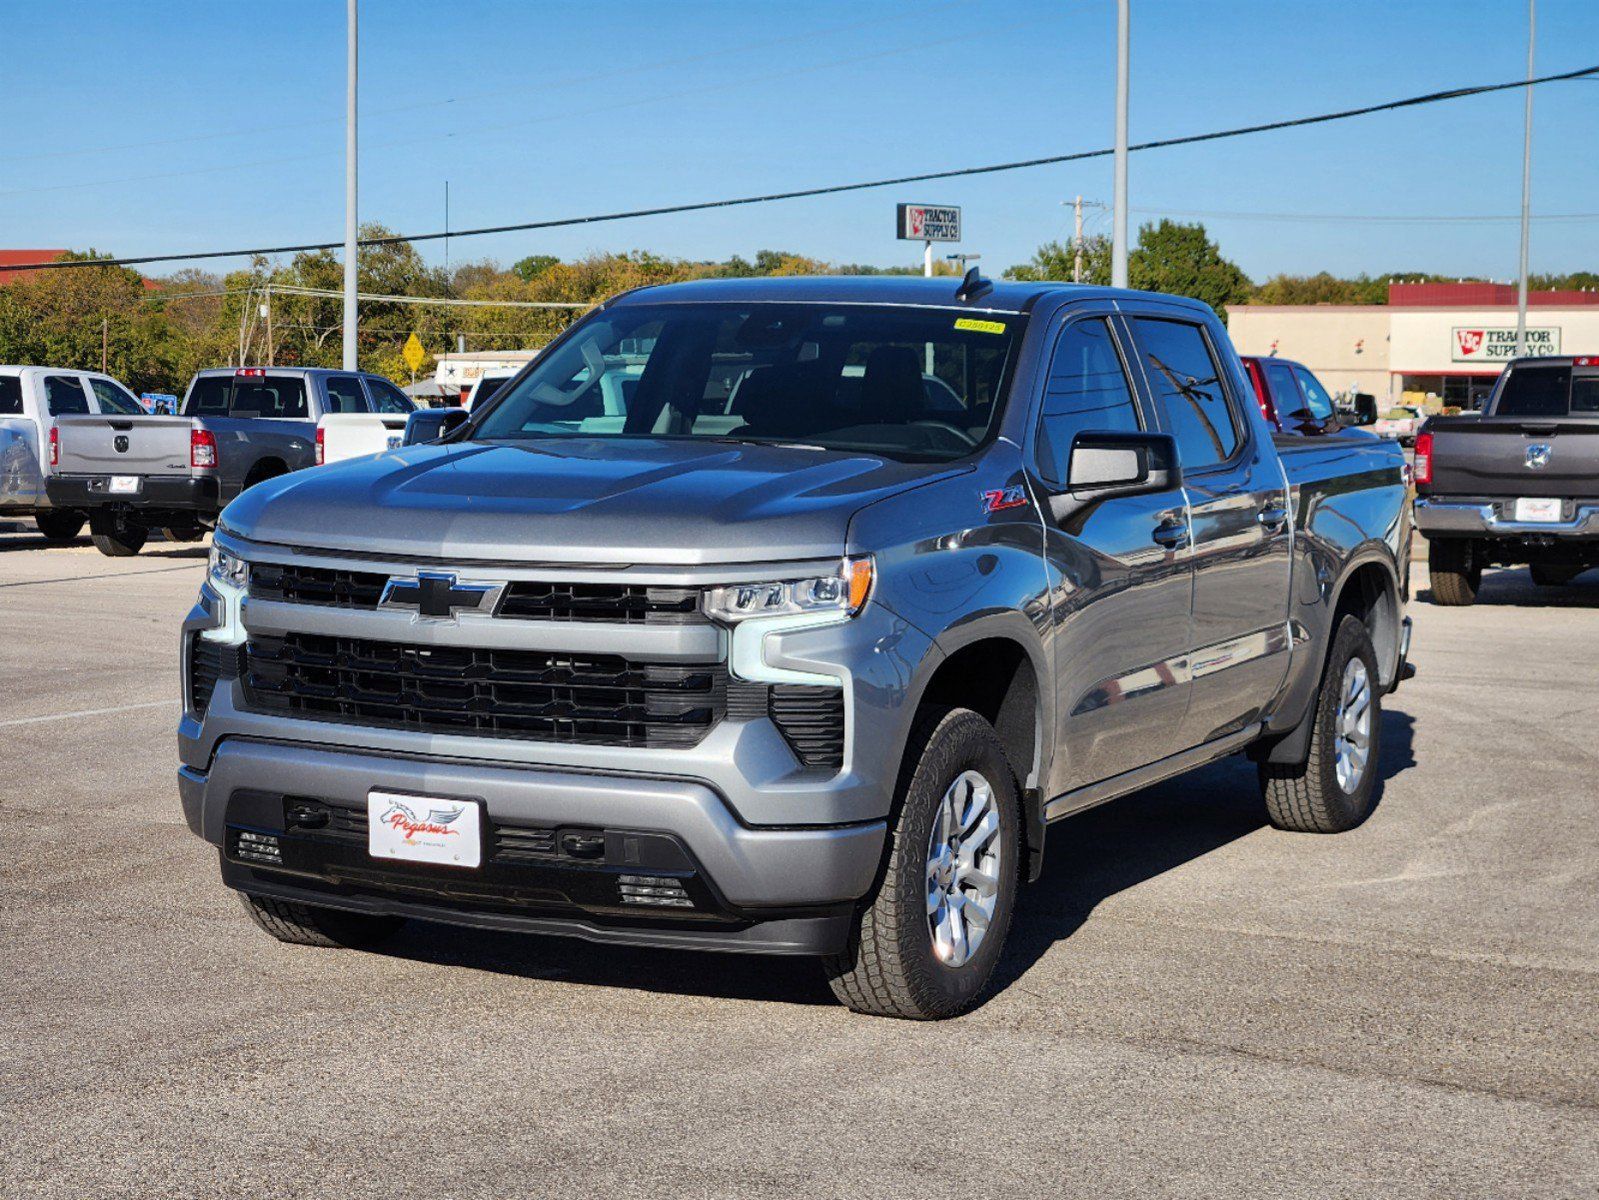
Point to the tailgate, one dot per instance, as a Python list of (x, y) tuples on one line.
[(102, 445), (1495, 456), (350, 435)]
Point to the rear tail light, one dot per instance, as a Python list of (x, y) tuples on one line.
[(321, 446), (55, 446), (1424, 458), (202, 448)]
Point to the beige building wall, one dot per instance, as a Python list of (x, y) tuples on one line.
[(1345, 346)]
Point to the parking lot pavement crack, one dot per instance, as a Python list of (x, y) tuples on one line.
[(75, 579)]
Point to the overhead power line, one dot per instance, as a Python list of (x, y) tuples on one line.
[(295, 290), (837, 188)]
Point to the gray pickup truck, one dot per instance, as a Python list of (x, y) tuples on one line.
[(239, 427), (1518, 485), (717, 628)]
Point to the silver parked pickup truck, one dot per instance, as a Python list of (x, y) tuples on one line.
[(238, 427), (720, 628), (33, 400)]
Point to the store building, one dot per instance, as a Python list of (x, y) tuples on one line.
[(1438, 344)]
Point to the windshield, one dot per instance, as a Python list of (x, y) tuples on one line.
[(915, 384)]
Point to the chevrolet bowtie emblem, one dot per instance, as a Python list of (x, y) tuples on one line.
[(437, 596)]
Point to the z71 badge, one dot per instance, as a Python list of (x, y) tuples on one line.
[(1000, 499)]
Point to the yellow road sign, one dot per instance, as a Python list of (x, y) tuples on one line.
[(414, 354)]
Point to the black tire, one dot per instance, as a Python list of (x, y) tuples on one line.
[(890, 967), (60, 525), (182, 533), (1306, 797), (306, 925), (1455, 573), (1554, 576), (118, 541)]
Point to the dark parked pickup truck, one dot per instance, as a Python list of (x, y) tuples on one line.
[(719, 627), (1518, 485)]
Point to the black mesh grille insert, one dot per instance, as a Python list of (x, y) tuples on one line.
[(295, 584), (208, 662), (617, 603), (536, 695)]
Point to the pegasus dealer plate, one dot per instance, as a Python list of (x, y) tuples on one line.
[(425, 829)]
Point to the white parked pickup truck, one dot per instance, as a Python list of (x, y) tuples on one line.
[(351, 435), (31, 398)]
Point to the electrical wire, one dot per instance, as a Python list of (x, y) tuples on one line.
[(838, 188)]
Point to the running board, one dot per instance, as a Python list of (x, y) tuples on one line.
[(1111, 789)]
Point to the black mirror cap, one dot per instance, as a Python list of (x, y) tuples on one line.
[(430, 424), (1118, 463)]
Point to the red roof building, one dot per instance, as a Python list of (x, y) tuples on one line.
[(9, 258)]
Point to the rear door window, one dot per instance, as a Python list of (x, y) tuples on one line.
[(10, 396), (64, 394), (1087, 391), (1534, 392), (1187, 384), (344, 394)]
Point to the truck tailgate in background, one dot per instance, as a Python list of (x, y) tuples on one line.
[(350, 435), (1489, 456), (150, 446)]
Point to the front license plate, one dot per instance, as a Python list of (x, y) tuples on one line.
[(1528, 509), (425, 829), (123, 485)]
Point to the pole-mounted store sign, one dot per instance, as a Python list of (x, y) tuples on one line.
[(927, 223)]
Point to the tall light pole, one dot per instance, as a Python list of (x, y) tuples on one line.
[(1118, 242), (351, 228), (1526, 185)]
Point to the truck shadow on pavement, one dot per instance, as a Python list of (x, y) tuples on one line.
[(1091, 857), (1106, 850), (1514, 588)]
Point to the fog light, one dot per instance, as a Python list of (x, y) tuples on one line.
[(659, 891), (257, 847)]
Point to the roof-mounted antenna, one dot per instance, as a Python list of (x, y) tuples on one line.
[(973, 286)]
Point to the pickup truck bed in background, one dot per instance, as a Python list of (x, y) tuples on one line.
[(1516, 486)]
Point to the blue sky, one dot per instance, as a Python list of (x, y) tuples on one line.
[(149, 128)]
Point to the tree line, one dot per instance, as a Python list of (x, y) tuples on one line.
[(154, 333)]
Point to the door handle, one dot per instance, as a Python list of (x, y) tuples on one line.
[(1273, 516), (1171, 534)]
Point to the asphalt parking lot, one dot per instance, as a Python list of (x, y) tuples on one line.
[(1194, 1003)]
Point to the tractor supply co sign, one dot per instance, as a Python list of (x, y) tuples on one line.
[(1468, 344), (928, 223)]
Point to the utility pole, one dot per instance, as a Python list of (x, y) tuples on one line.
[(352, 318), (446, 231), (266, 311), (1077, 240), (927, 260), (1118, 244), (1526, 185), (104, 337)]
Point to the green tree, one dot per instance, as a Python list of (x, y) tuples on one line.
[(1175, 257), (530, 268), (1055, 261)]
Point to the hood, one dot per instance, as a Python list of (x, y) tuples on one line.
[(579, 500)]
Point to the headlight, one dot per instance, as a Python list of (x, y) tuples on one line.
[(228, 569), (844, 593)]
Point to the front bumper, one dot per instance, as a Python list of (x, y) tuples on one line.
[(1488, 519), (191, 496), (773, 890)]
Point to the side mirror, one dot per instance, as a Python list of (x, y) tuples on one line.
[(430, 424), (1117, 464)]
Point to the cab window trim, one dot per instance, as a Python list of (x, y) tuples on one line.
[(1119, 343), (1229, 386)]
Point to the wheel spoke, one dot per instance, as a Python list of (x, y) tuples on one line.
[(983, 834), (980, 881)]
